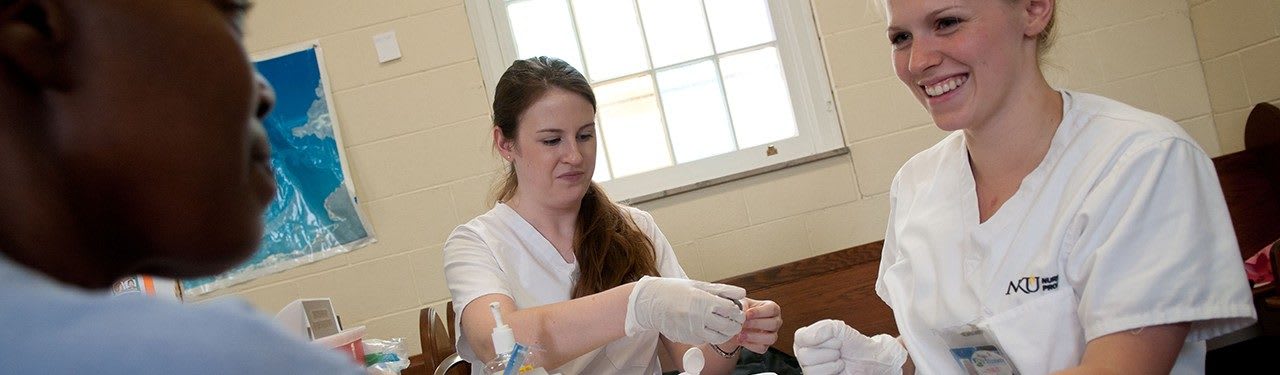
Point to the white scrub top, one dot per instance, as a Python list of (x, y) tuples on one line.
[(1121, 226), (499, 252)]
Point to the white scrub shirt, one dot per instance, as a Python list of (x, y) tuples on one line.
[(499, 252), (1121, 226)]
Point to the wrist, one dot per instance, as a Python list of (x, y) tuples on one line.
[(727, 349)]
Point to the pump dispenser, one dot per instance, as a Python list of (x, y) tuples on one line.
[(503, 338)]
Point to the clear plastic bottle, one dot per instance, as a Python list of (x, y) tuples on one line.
[(512, 357)]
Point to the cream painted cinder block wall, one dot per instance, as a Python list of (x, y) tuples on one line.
[(417, 137), (1239, 44)]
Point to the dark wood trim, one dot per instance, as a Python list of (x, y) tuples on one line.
[(808, 267), (417, 366)]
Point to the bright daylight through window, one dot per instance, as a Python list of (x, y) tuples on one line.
[(687, 90)]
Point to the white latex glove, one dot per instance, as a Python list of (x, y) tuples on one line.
[(686, 311), (831, 347)]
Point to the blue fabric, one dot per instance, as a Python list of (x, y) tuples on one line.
[(50, 328)]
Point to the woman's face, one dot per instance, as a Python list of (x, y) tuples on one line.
[(554, 153), (162, 137), (960, 58)]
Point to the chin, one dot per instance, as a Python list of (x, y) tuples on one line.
[(950, 122), (206, 256)]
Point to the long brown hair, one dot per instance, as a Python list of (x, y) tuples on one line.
[(609, 247)]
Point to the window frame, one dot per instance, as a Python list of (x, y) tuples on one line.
[(800, 53)]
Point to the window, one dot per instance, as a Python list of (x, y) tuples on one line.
[(687, 91)]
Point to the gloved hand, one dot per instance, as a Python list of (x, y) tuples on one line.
[(686, 311), (831, 347)]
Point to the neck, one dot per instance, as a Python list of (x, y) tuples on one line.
[(1014, 141), (40, 228), (554, 222)]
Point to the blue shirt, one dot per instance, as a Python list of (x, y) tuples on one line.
[(52, 328)]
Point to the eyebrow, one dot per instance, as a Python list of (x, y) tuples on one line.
[(558, 131), (932, 15)]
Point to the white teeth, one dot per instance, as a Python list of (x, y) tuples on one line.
[(945, 86)]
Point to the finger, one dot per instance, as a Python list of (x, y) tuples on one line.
[(723, 290), (816, 356), (766, 324), (829, 368), (763, 309), (757, 337), (730, 312), (825, 343), (756, 348), (723, 325), (813, 335), (712, 335)]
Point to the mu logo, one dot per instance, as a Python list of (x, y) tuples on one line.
[(1032, 284)]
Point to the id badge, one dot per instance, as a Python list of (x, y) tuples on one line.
[(975, 352)]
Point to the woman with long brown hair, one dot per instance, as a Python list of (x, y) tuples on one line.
[(594, 285)]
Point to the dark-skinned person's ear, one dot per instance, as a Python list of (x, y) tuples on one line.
[(33, 38)]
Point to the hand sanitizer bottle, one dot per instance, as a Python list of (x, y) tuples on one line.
[(504, 340)]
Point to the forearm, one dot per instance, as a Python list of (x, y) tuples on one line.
[(715, 364), (1147, 350), (908, 367), (562, 331)]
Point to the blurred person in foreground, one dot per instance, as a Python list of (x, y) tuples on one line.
[(131, 142)]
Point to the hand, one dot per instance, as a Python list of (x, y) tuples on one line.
[(686, 311), (832, 347), (760, 330)]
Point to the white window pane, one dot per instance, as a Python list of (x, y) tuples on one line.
[(739, 23), (696, 117), (758, 97), (632, 127), (602, 160), (610, 38), (676, 30), (544, 28)]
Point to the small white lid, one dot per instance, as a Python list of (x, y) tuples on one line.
[(694, 361)]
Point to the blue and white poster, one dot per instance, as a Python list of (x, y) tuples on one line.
[(314, 214)]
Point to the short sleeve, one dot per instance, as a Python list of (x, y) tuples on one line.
[(470, 268), (664, 254), (889, 252), (1156, 246)]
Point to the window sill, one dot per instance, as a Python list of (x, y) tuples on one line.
[(736, 176)]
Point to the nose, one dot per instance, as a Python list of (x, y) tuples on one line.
[(924, 55), (266, 96), (574, 155)]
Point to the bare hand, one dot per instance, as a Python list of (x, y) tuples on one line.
[(760, 330)]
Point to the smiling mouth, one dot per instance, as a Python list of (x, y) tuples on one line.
[(947, 85)]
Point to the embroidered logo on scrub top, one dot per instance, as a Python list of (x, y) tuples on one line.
[(1032, 284)]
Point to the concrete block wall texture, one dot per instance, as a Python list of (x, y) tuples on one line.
[(416, 133), (1239, 44)]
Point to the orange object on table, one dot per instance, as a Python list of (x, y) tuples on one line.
[(350, 342)]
